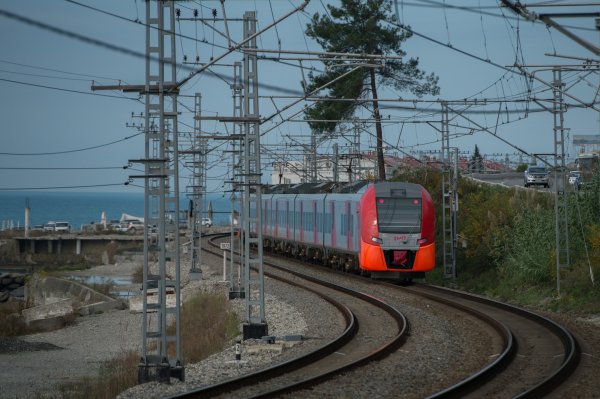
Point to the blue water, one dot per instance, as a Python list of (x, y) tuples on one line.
[(84, 208)]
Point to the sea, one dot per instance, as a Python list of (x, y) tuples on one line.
[(82, 208)]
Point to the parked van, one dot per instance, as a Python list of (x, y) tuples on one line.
[(64, 227)]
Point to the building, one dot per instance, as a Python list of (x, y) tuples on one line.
[(352, 167)]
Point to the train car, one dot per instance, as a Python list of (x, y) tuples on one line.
[(385, 229)]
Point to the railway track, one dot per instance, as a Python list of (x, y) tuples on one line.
[(538, 357), (353, 348), (529, 355)]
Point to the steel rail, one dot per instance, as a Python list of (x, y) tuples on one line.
[(570, 361), (322, 352)]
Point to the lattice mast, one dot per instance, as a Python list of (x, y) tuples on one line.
[(560, 170), (161, 348), (199, 150), (255, 325), (236, 275), (449, 197)]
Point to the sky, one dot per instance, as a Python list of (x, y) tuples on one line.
[(57, 134)]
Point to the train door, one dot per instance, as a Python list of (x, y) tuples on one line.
[(277, 220), (355, 224), (301, 221), (287, 220), (348, 217), (315, 223), (296, 220), (332, 220), (321, 221), (265, 216)]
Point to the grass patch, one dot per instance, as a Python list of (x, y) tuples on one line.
[(114, 376), (207, 325), (138, 275), (11, 323)]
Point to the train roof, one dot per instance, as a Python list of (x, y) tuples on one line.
[(301, 188), (382, 188), (316, 188)]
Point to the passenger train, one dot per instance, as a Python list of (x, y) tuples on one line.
[(385, 229)]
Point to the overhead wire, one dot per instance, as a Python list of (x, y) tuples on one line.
[(63, 187), (60, 71), (510, 70), (65, 168), (71, 151), (121, 97)]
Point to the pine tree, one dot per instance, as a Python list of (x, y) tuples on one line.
[(362, 27), (476, 161)]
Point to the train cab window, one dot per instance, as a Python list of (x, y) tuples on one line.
[(399, 215)]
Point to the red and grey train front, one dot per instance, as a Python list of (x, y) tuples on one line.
[(398, 231)]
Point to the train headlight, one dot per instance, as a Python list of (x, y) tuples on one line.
[(422, 241), (377, 240)]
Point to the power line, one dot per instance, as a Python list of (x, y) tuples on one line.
[(68, 90), (71, 151), (62, 187), (66, 168), (57, 70)]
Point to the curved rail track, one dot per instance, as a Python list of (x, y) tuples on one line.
[(534, 355), (540, 356), (354, 347)]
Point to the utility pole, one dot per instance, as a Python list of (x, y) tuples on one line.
[(560, 202), (449, 197), (336, 158), (255, 325), (312, 155), (356, 149), (199, 150), (236, 275), (161, 356), (161, 199)]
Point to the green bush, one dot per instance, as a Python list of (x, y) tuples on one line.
[(507, 244)]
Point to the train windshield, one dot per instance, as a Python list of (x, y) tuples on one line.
[(399, 215)]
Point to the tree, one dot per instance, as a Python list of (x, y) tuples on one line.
[(362, 27), (476, 161)]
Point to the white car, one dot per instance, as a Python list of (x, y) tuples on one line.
[(575, 178), (135, 226), (207, 222), (63, 227)]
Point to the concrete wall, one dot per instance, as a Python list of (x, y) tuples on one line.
[(80, 251), (51, 297)]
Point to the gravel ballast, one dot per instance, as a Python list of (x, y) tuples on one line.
[(35, 363)]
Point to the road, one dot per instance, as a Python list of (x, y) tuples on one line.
[(509, 179)]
